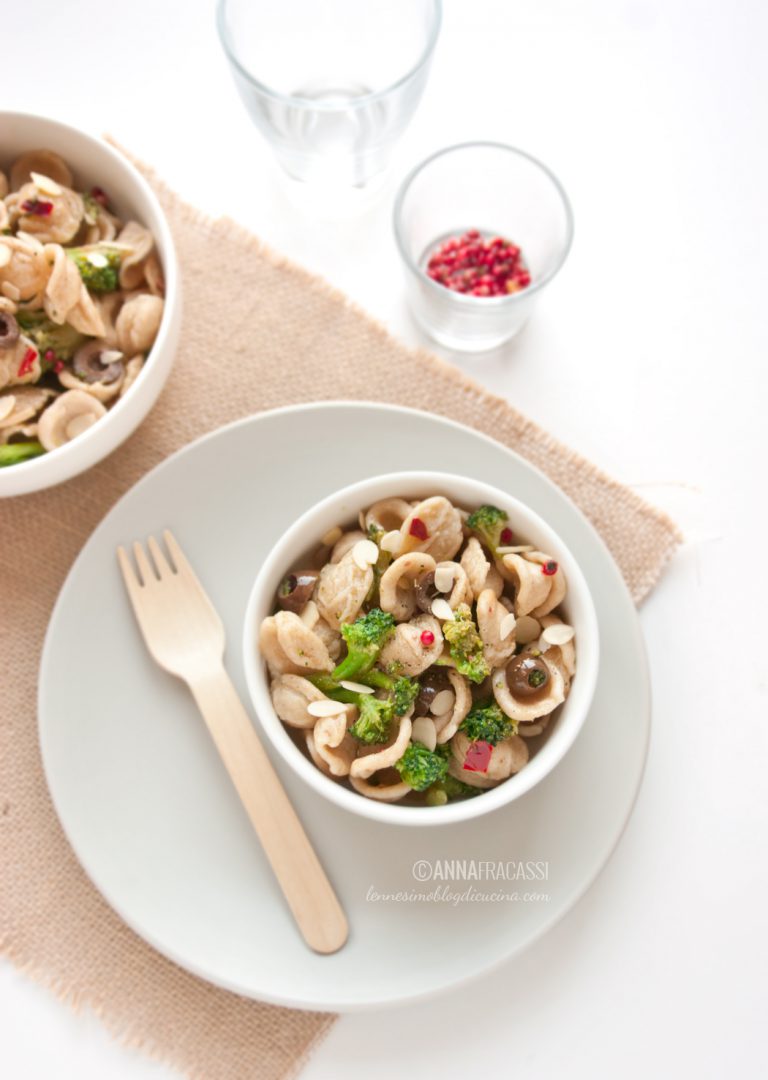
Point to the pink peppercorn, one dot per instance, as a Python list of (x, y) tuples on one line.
[(479, 267)]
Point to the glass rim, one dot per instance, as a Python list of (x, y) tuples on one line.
[(466, 298), (319, 106)]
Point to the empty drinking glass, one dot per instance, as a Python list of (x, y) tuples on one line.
[(331, 84)]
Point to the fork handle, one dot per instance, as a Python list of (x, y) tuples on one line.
[(309, 893)]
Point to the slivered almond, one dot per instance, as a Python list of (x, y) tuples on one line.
[(5, 254), (506, 626), (365, 553), (356, 687), (558, 634), (310, 614), (423, 731), (444, 578), (442, 702), (45, 184), (326, 708), (441, 609), (10, 291), (392, 542)]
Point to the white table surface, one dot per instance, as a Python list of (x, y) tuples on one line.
[(648, 354)]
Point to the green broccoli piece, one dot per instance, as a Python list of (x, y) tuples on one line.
[(365, 638), (375, 533), (374, 720), (448, 789), (420, 767), (489, 523), (402, 690), (465, 645), (13, 453), (99, 267), (486, 721), (63, 340), (375, 715)]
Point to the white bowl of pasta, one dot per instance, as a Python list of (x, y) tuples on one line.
[(90, 304), (421, 648)]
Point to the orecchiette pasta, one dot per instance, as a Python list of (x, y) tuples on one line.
[(341, 590), (396, 588), (73, 277), (450, 655)]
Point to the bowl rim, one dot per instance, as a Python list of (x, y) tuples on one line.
[(32, 471), (297, 100), (484, 303), (392, 813)]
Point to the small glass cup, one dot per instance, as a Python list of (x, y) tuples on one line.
[(499, 191), (331, 84)]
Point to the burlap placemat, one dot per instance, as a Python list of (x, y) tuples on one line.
[(284, 330)]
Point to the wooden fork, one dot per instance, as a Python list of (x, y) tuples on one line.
[(185, 636)]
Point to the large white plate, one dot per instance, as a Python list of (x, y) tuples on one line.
[(151, 813)]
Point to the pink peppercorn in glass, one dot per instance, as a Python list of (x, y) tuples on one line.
[(482, 228)]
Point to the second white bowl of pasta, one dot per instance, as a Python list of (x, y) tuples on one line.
[(90, 305), (421, 648)]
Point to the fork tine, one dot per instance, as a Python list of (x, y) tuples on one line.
[(129, 574), (158, 558), (145, 570), (178, 556)]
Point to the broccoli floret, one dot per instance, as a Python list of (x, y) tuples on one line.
[(364, 639), (402, 690), (420, 767), (375, 533), (486, 721), (447, 789), (374, 720), (465, 645), (489, 523), (13, 453), (99, 267), (63, 340), (374, 714)]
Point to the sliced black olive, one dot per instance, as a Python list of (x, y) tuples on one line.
[(425, 591), (295, 590), (94, 363), (9, 330), (527, 675), (431, 683)]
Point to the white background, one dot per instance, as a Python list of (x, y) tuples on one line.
[(648, 354)]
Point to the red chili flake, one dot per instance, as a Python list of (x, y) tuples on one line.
[(99, 195), (39, 207), (427, 638), (27, 363), (478, 266), (507, 536), (58, 366), (549, 568), (49, 355), (478, 756), (418, 529)]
